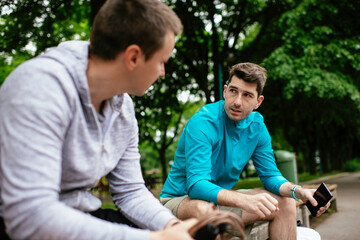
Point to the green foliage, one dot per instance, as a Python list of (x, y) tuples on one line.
[(108, 205), (352, 165), (161, 118), (218, 33), (9, 63), (314, 80), (159, 113), (279, 141), (254, 182), (149, 157), (43, 23), (27, 28), (310, 48), (248, 183)]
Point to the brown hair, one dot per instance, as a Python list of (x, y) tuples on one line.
[(120, 23), (249, 72)]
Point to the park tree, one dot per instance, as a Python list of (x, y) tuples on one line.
[(309, 47), (41, 24), (314, 82), (215, 34), (218, 34), (160, 112), (29, 27)]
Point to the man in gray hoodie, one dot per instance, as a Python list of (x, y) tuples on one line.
[(67, 120)]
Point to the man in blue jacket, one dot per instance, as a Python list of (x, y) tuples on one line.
[(215, 146)]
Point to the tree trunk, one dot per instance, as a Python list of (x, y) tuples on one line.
[(324, 156), (311, 159), (163, 164)]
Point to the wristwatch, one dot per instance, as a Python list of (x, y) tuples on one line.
[(292, 192)]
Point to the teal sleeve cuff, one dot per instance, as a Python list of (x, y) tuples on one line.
[(204, 190), (273, 184)]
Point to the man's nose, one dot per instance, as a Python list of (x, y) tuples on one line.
[(238, 100)]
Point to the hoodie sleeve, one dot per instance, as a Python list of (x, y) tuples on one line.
[(127, 185), (34, 114)]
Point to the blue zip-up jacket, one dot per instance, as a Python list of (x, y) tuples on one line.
[(213, 150)]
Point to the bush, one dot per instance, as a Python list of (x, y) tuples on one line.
[(352, 165)]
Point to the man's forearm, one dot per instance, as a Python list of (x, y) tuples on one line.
[(300, 193), (285, 189), (230, 198), (259, 202)]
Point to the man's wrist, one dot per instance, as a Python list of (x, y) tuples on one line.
[(293, 194), (231, 198)]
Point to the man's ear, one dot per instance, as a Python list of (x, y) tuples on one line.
[(132, 56), (224, 91), (259, 101)]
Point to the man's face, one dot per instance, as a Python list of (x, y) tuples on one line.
[(241, 98), (154, 67)]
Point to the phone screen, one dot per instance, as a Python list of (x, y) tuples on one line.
[(322, 195)]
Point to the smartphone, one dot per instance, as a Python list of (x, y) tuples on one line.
[(322, 195)]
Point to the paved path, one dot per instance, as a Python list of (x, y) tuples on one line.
[(344, 224)]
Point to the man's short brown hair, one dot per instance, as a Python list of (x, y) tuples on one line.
[(120, 23), (249, 72)]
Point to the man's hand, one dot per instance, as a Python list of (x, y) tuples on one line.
[(259, 203), (172, 222), (178, 231), (307, 195), (262, 204)]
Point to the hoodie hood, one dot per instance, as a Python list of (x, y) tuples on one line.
[(74, 55)]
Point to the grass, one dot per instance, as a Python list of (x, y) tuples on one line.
[(304, 177), (108, 205), (352, 165), (255, 182)]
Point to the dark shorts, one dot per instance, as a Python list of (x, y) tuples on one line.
[(3, 234), (114, 216), (105, 214)]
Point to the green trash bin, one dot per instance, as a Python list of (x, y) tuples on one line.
[(286, 163)]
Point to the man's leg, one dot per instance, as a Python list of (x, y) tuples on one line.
[(282, 224), (189, 208), (185, 208)]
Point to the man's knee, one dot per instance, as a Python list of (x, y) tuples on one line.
[(204, 207), (287, 204), (189, 208)]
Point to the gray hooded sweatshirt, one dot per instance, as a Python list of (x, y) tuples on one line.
[(54, 148)]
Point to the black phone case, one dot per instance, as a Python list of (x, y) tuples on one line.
[(322, 195)]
